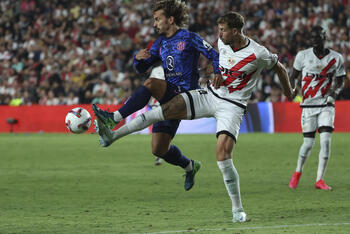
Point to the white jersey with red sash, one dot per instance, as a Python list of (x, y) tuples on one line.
[(241, 69), (318, 75)]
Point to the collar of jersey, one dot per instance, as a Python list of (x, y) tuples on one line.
[(242, 47), (173, 34)]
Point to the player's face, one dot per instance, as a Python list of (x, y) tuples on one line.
[(161, 23), (317, 38), (226, 34)]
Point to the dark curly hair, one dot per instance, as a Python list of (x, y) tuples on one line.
[(232, 19), (174, 8)]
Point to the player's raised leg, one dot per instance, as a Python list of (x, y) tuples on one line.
[(152, 87), (174, 109), (108, 136)]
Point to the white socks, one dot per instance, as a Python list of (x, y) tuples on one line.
[(231, 179), (117, 116), (189, 167), (325, 152), (140, 122), (304, 152)]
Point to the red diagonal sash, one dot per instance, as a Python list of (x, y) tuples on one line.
[(235, 68), (311, 91)]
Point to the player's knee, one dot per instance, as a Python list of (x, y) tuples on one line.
[(309, 143), (150, 83), (224, 146), (224, 152)]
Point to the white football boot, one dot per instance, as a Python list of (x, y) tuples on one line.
[(239, 216)]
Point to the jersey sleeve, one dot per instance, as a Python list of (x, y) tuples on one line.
[(340, 71), (207, 50), (142, 66), (298, 65), (267, 59)]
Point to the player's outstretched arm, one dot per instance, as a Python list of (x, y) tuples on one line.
[(284, 79)]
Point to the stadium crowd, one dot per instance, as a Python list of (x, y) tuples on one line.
[(81, 51)]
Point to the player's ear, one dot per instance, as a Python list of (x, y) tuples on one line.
[(235, 31), (171, 20)]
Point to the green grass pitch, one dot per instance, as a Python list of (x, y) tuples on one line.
[(65, 183)]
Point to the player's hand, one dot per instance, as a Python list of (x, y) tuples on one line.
[(217, 81), (143, 54), (330, 100)]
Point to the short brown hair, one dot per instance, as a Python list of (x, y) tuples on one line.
[(174, 8), (232, 19)]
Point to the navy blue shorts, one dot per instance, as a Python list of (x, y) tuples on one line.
[(169, 126)]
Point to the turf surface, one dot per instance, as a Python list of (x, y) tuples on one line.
[(65, 183)]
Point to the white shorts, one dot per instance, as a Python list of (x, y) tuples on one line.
[(203, 103), (314, 118)]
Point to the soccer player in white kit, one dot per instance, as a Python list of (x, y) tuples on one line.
[(241, 60), (322, 79)]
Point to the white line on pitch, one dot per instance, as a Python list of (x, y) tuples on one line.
[(248, 228)]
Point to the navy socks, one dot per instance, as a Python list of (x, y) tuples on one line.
[(136, 102), (175, 157)]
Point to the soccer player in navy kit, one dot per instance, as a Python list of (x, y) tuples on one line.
[(179, 51)]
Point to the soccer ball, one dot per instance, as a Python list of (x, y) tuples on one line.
[(78, 120)]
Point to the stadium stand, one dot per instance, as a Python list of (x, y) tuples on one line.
[(80, 51)]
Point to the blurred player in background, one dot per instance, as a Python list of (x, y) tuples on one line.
[(178, 50), (226, 98), (322, 79)]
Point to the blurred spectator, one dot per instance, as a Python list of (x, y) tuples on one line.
[(275, 94), (17, 100), (266, 85), (62, 52)]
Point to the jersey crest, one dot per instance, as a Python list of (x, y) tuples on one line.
[(181, 45)]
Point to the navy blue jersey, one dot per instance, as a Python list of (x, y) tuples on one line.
[(179, 55)]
